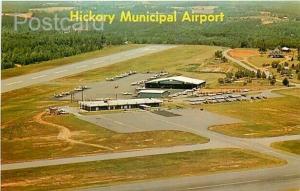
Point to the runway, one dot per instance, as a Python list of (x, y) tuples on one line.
[(275, 179), (78, 67)]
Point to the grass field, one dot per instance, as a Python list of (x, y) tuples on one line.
[(272, 117), (21, 134), (133, 169), (62, 61), (173, 61), (259, 60), (292, 146)]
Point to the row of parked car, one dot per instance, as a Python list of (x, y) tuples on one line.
[(224, 98)]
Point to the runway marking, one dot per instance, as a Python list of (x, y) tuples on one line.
[(288, 175), (82, 66), (14, 83), (41, 76), (61, 71), (119, 123), (98, 62), (225, 184)]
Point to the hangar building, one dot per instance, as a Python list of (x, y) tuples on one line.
[(119, 104), (175, 82)]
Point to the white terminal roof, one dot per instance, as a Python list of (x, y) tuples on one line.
[(120, 102), (153, 91), (179, 78)]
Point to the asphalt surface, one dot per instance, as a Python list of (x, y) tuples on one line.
[(106, 89), (269, 179), (78, 67), (194, 121)]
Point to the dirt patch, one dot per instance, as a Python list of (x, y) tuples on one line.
[(242, 54), (65, 134)]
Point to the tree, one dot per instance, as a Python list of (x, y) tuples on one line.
[(285, 82), (262, 47), (224, 59), (264, 76), (229, 75), (258, 74), (221, 80), (298, 76), (279, 67), (274, 64), (218, 54), (244, 44), (273, 81)]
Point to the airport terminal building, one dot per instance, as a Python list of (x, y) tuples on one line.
[(175, 82), (119, 104)]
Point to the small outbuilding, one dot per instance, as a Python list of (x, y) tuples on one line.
[(285, 49), (276, 53), (119, 104), (153, 93), (175, 82)]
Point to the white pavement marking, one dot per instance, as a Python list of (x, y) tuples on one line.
[(61, 71), (289, 175), (220, 185), (83, 66), (14, 83), (41, 76)]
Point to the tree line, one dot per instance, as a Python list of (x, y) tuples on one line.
[(32, 47)]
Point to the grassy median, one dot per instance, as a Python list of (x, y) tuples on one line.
[(132, 169), (292, 146)]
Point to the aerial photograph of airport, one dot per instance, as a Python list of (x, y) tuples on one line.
[(150, 95)]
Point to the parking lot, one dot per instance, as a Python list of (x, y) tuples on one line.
[(230, 97)]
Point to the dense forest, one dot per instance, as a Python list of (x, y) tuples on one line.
[(242, 28), (27, 48)]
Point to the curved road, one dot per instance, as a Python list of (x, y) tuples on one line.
[(246, 66), (78, 67)]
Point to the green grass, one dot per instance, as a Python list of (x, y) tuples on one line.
[(17, 71), (258, 61), (292, 146), (295, 92), (272, 117), (133, 169)]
